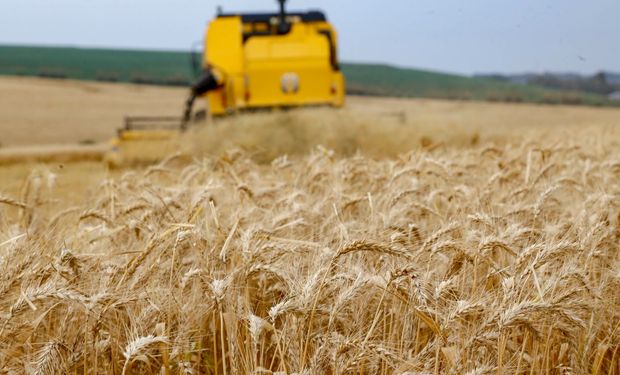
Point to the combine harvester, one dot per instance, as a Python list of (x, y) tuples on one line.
[(251, 61)]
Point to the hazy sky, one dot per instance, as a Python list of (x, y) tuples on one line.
[(462, 36)]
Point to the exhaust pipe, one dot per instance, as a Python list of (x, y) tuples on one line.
[(283, 26)]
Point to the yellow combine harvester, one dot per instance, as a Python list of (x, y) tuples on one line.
[(270, 60), (251, 61)]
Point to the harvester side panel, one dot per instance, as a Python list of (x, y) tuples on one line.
[(224, 52)]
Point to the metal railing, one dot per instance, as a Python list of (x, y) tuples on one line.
[(153, 123)]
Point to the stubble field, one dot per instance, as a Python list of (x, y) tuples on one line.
[(392, 237)]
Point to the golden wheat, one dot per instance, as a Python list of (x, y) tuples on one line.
[(488, 259)]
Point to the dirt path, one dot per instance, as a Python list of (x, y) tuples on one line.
[(51, 153)]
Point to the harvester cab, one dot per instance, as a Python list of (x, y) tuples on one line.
[(255, 61)]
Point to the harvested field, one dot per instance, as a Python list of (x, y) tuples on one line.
[(434, 241), (37, 111)]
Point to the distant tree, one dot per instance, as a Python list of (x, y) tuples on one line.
[(600, 78)]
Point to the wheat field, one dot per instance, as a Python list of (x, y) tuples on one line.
[(370, 241), (478, 261)]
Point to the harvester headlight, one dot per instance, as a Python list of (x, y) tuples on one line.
[(290, 83)]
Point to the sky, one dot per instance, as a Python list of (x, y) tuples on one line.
[(458, 36)]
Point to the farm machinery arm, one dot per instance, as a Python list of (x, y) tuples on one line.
[(211, 79)]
